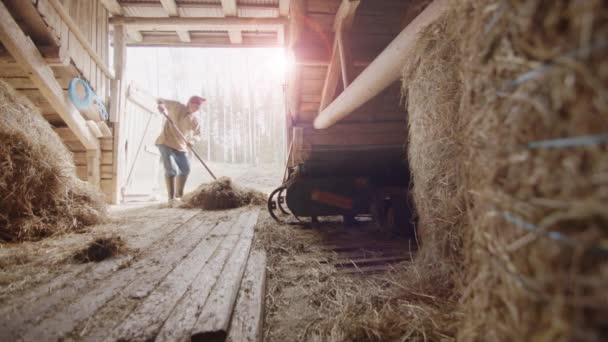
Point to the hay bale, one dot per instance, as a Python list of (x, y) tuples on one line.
[(495, 77), (41, 195), (222, 194), (101, 249), (432, 89), (536, 70)]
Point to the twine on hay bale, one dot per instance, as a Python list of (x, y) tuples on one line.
[(41, 195), (222, 194)]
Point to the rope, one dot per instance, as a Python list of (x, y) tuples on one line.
[(553, 235)]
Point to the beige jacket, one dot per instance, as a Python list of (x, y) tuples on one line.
[(187, 123)]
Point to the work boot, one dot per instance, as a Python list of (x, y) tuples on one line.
[(180, 182), (170, 181)]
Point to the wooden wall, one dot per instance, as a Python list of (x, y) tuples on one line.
[(91, 18)]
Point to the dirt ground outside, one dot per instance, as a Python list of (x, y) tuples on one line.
[(313, 273)]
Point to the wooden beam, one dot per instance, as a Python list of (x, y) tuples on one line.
[(229, 7), (198, 24), (170, 7), (284, 8), (235, 36), (74, 28), (135, 35), (112, 6), (53, 55), (346, 14), (202, 41), (30, 59), (184, 36), (344, 52), (343, 22)]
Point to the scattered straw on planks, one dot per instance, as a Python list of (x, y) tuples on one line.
[(222, 194), (101, 249)]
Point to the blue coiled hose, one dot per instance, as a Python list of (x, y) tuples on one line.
[(90, 96)]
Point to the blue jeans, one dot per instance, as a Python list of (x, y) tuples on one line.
[(171, 157)]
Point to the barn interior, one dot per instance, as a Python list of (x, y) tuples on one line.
[(411, 170)]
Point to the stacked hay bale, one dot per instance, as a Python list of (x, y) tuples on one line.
[(41, 195), (508, 111)]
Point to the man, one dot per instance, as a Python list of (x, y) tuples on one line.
[(173, 149)]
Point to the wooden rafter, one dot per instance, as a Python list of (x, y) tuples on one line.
[(184, 36), (30, 59), (170, 7), (112, 6), (198, 24), (235, 36), (230, 8), (342, 24)]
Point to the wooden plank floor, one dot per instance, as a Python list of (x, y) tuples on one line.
[(156, 289)]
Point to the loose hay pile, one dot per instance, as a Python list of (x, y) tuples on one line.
[(494, 91), (222, 194), (101, 249), (40, 194)]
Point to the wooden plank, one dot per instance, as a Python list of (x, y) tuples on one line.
[(80, 158), (106, 144), (107, 158), (106, 172), (65, 16), (145, 322), (19, 83), (308, 106), (94, 129), (140, 277), (312, 87), (33, 24), (248, 317), (24, 51), (180, 323), (106, 132), (311, 98), (65, 134), (215, 316)]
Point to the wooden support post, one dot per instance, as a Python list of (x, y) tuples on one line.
[(343, 21), (118, 89), (344, 50), (27, 55), (93, 167)]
